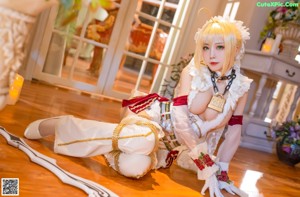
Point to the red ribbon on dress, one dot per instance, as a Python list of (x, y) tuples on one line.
[(172, 155), (203, 160), (234, 120), (181, 100), (140, 103), (223, 176)]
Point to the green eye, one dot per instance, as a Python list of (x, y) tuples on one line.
[(220, 47)]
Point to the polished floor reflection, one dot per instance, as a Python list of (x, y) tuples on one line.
[(257, 173)]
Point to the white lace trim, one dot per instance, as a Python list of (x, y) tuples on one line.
[(14, 30), (201, 82)]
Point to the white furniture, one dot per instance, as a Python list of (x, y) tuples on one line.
[(273, 67)]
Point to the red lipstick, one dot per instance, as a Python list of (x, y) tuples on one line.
[(213, 63)]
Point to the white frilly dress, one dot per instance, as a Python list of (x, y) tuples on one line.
[(201, 82), (139, 144)]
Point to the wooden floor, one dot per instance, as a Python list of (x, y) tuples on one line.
[(259, 174)]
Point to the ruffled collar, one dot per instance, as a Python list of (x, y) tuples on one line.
[(201, 81)]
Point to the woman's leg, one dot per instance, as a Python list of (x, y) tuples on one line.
[(41, 128), (47, 127), (230, 144), (129, 148), (74, 136)]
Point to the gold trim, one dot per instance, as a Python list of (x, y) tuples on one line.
[(167, 110), (116, 161), (153, 159), (107, 138), (116, 152), (152, 154), (117, 137)]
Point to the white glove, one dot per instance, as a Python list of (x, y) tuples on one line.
[(225, 183), (212, 184), (230, 188), (206, 166)]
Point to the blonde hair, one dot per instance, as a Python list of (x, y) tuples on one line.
[(228, 32)]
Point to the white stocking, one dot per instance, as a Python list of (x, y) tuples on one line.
[(230, 144)]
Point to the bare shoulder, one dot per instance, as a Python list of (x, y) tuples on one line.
[(185, 82)]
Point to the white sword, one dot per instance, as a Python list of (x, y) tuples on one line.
[(91, 188)]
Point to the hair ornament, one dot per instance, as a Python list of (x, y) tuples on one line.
[(238, 24)]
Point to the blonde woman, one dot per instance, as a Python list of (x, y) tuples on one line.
[(217, 94), (212, 94)]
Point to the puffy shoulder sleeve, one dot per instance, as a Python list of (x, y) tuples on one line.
[(240, 86), (200, 80)]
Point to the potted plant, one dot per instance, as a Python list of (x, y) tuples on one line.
[(279, 18), (287, 136)]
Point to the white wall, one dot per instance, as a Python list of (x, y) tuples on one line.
[(197, 20), (254, 18)]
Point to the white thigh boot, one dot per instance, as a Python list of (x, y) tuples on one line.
[(14, 28)]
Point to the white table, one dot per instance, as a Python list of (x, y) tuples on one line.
[(277, 68)]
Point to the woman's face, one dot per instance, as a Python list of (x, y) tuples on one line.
[(214, 54)]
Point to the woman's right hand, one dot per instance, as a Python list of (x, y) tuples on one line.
[(212, 184)]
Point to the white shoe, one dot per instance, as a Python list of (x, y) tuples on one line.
[(32, 130)]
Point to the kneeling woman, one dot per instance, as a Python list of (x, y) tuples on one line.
[(212, 93)]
